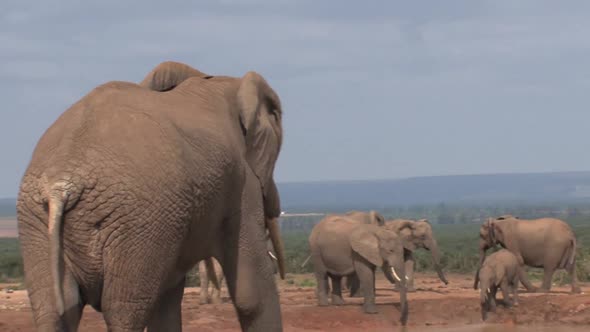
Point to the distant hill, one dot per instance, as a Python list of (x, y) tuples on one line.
[(564, 187), (459, 189)]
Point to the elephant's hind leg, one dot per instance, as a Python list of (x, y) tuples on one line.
[(547, 278), (168, 316), (571, 270), (336, 290)]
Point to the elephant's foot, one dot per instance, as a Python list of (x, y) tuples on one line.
[(357, 294), (370, 308), (542, 290), (203, 301), (323, 302), (216, 300), (337, 300), (576, 290)]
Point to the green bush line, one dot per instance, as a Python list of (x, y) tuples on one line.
[(458, 244)]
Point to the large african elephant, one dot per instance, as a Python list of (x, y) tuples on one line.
[(548, 243), (499, 270), (174, 170), (342, 247), (417, 234)]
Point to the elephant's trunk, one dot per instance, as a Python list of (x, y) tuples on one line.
[(403, 300), (275, 237), (483, 301), (436, 262)]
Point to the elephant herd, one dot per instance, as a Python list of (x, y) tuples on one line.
[(134, 184), (355, 244)]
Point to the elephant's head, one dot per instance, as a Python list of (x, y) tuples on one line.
[(383, 248), (419, 234), (258, 116), (489, 278)]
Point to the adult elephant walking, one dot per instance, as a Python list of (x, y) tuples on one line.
[(547, 242), (371, 217), (417, 234), (175, 170), (341, 247)]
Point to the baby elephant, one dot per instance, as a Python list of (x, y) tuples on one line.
[(499, 269)]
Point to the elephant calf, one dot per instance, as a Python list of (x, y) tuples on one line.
[(341, 247), (500, 269)]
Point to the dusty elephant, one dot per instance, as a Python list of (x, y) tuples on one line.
[(342, 247), (499, 270), (417, 234), (369, 218), (548, 243), (174, 170)]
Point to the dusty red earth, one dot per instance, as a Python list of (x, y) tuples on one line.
[(434, 305)]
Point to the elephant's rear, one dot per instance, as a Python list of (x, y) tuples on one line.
[(80, 182)]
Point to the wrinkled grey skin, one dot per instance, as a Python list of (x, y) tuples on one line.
[(340, 247), (548, 243), (131, 175), (210, 270), (499, 270), (417, 234)]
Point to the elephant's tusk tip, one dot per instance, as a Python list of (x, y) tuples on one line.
[(272, 255)]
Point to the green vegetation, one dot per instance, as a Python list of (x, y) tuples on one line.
[(11, 266), (458, 242)]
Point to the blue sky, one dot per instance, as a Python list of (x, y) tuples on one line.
[(371, 89)]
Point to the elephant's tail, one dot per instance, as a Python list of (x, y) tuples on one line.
[(56, 202), (572, 257)]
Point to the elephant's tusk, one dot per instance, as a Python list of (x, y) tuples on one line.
[(489, 291), (395, 274), (407, 278), (272, 255)]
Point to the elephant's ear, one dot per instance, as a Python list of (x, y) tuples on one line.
[(406, 229), (260, 116), (167, 75), (377, 218), (503, 235), (365, 243)]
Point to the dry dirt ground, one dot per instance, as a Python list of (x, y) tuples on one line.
[(434, 304)]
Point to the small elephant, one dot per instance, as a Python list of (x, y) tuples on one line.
[(343, 247), (548, 243), (500, 269)]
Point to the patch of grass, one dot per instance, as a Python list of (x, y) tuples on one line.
[(307, 283)]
